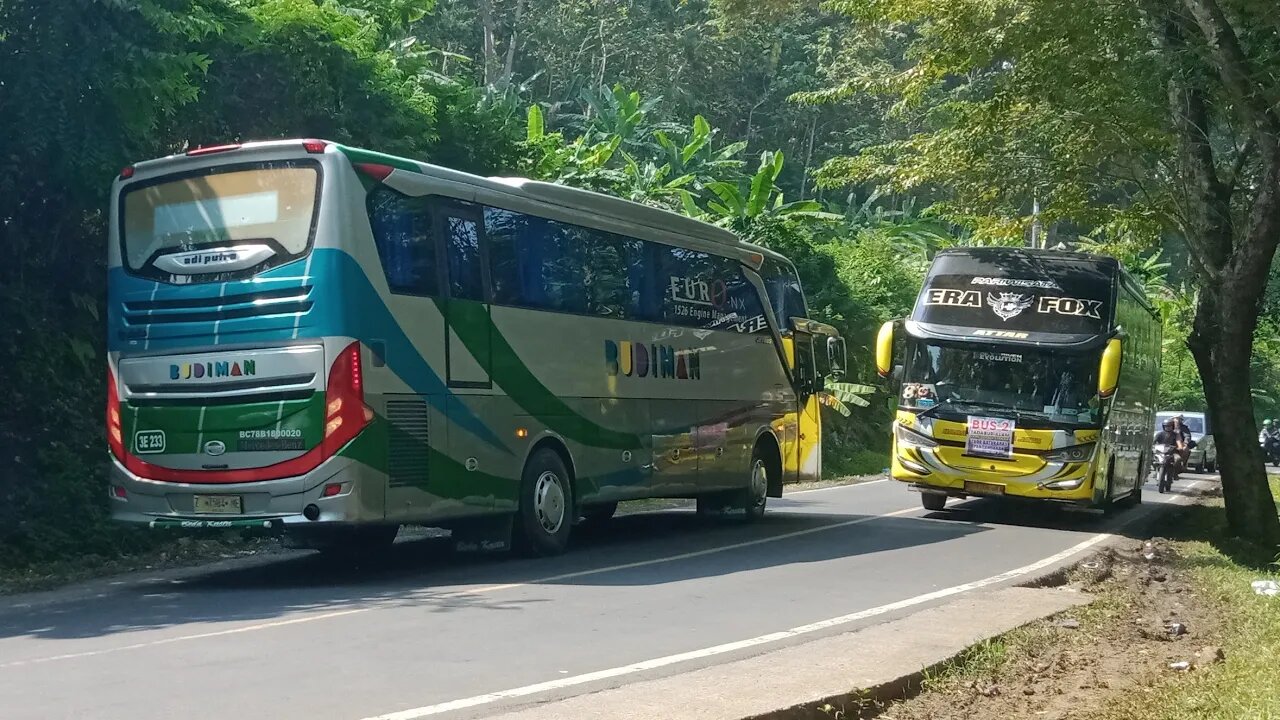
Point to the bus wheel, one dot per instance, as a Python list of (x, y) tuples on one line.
[(933, 502), (546, 505), (757, 494), (595, 514)]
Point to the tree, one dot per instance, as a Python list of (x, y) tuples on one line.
[(1154, 119)]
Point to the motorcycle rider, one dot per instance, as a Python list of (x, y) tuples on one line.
[(1171, 437), (1168, 436), (1184, 442), (1268, 438)]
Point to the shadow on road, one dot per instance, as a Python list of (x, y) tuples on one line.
[(427, 574), (995, 511)]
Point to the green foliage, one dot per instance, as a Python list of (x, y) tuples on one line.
[(88, 89)]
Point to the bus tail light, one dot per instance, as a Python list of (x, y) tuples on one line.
[(126, 172), (345, 412), (375, 171), (315, 147), (198, 151), (115, 435)]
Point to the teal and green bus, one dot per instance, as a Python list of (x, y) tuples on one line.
[(337, 342)]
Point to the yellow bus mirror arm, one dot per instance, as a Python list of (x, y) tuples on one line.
[(1109, 368), (884, 350)]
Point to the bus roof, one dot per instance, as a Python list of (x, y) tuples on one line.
[(545, 193)]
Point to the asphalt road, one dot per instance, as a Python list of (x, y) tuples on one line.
[(427, 633)]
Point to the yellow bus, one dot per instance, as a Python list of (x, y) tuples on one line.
[(1024, 373)]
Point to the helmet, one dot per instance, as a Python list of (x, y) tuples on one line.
[(1168, 424)]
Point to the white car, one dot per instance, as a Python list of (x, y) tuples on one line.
[(1204, 456)]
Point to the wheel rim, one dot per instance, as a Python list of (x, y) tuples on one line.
[(759, 484), (548, 502)]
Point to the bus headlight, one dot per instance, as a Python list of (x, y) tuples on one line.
[(1075, 453), (911, 438)]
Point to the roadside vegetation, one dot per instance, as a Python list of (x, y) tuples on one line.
[(797, 124)]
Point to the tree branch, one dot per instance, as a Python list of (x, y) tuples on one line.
[(1242, 158), (1234, 66), (1211, 241)]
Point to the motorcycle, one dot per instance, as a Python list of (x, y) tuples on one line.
[(1271, 450), (1164, 459)]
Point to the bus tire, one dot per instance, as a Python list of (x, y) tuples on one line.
[(934, 502), (545, 514), (756, 496)]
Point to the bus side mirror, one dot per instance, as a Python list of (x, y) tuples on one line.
[(884, 350), (837, 357), (1109, 368)]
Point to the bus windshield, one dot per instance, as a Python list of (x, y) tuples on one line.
[(270, 205), (1052, 387)]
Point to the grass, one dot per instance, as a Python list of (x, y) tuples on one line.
[(1247, 685), (856, 463)]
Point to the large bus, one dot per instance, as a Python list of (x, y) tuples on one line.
[(1024, 373), (336, 342)]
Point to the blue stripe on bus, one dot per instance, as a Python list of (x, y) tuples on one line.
[(355, 311)]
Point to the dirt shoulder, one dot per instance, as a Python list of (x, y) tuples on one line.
[(1175, 631)]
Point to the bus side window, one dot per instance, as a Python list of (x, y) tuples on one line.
[(406, 245), (462, 238), (535, 262), (611, 278)]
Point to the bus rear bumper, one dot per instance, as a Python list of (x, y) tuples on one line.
[(296, 501)]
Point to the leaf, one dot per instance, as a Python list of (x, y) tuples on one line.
[(689, 205), (730, 195), (537, 126), (761, 189)]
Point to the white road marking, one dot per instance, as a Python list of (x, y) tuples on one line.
[(465, 593), (786, 495), (713, 651)]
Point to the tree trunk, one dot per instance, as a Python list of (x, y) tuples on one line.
[(509, 67), (490, 44), (1222, 344)]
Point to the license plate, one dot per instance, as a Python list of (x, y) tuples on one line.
[(219, 504), (981, 488)]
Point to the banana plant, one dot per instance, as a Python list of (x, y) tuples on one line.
[(648, 181), (618, 112), (741, 209), (581, 163), (697, 157), (839, 396)]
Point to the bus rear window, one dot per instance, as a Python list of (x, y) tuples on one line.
[(269, 207)]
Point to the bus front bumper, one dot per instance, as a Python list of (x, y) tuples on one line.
[(1023, 476), (279, 504)]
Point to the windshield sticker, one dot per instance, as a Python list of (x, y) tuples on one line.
[(1071, 306), (1009, 305), (919, 394), (953, 298), (1003, 334), (999, 357), (990, 437), (1014, 282)]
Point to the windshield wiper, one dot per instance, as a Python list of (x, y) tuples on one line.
[(931, 412)]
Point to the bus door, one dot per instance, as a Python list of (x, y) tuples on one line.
[(809, 425), (467, 338)]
